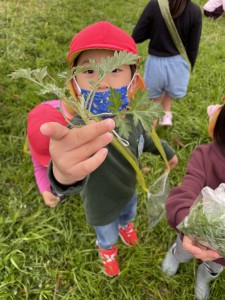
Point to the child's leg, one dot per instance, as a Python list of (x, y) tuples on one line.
[(126, 230), (159, 101), (166, 102), (206, 272), (107, 236), (180, 253), (176, 255), (129, 212)]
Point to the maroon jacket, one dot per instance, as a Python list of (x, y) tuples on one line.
[(206, 167)]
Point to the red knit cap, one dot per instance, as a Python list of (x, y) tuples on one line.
[(101, 35), (38, 142)]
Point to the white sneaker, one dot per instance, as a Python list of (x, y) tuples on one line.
[(166, 120)]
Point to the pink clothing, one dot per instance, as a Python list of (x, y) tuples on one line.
[(40, 171), (206, 167), (56, 104), (211, 109), (41, 176), (211, 5)]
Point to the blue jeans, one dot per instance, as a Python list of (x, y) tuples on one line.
[(107, 235)]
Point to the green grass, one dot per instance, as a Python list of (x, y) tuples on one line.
[(50, 253)]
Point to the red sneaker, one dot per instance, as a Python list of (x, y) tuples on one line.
[(110, 264), (128, 235)]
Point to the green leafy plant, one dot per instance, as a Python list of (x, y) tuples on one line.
[(140, 107)]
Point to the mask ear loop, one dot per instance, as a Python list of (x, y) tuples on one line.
[(122, 141), (77, 86), (132, 79)]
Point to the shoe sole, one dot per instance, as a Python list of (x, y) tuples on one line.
[(124, 240), (111, 276)]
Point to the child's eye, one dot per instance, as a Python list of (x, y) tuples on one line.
[(116, 71), (89, 71)]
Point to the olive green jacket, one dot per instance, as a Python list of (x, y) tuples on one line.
[(107, 190)]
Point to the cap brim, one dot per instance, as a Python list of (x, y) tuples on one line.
[(42, 159), (71, 57)]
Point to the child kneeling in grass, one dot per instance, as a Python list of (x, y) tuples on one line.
[(80, 163), (47, 111), (205, 168)]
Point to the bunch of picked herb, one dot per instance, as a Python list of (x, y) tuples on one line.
[(205, 223), (140, 107)]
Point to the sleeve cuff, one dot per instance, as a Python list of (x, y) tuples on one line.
[(65, 189)]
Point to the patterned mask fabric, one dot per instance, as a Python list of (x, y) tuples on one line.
[(101, 100)]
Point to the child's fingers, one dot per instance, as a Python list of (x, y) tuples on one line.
[(77, 136), (54, 130), (78, 163), (199, 253), (87, 133), (81, 153), (50, 199), (208, 255), (86, 167), (53, 202), (190, 246)]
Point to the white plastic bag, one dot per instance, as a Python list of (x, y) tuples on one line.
[(206, 220), (157, 195)]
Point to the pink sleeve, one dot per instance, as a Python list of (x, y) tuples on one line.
[(41, 176)]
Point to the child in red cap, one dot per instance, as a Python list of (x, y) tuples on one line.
[(205, 168), (104, 177), (47, 111)]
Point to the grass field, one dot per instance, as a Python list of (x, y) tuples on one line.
[(50, 253)]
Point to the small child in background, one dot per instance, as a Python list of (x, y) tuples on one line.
[(47, 111), (166, 71), (214, 8), (108, 182), (206, 167)]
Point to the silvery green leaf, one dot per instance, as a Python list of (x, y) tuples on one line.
[(92, 83), (52, 88), (21, 73), (143, 118), (40, 74), (62, 75), (124, 126), (140, 100), (115, 100), (82, 102)]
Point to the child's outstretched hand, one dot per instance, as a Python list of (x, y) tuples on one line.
[(199, 252), (173, 162), (77, 152), (50, 199)]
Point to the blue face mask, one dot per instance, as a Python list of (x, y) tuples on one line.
[(101, 100)]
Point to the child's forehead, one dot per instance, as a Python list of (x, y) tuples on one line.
[(96, 54)]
